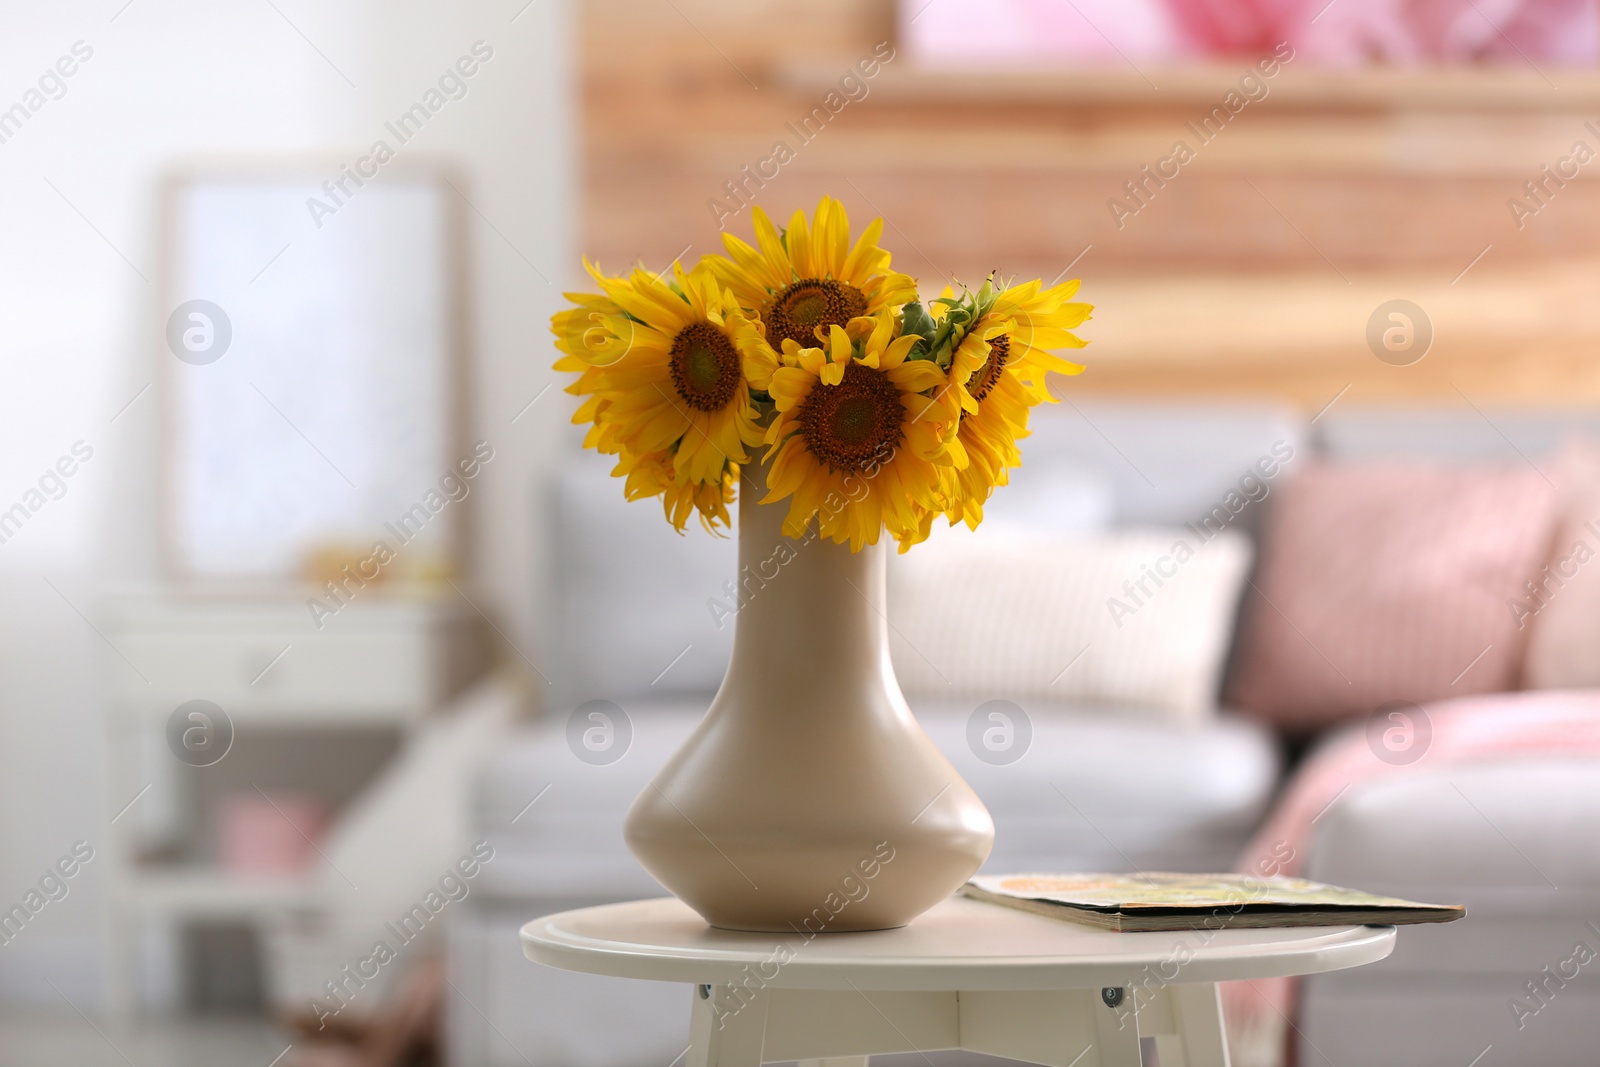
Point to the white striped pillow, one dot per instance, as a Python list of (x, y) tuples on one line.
[(1140, 617)]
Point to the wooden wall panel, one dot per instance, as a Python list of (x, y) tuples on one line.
[(1253, 272)]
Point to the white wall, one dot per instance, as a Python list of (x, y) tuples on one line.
[(175, 78)]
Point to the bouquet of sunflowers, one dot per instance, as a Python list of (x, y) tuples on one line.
[(876, 411)]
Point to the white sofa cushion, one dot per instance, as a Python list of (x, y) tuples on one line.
[(631, 594), (1101, 791), (1509, 828), (568, 843), (1168, 462), (1451, 433), (1137, 618)]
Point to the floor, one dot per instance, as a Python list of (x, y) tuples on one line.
[(54, 1039), (60, 1039)]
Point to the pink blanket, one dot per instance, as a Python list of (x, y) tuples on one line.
[(1496, 727)]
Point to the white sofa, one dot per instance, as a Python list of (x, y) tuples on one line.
[(1098, 789), (1519, 844), (1517, 841)]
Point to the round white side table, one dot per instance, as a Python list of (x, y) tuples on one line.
[(965, 975)]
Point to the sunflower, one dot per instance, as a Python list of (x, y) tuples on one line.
[(878, 413), (672, 373), (809, 278), (997, 375), (854, 444), (594, 333), (653, 475), (995, 345), (662, 368)]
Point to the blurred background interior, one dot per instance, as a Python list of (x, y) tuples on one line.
[(306, 578)]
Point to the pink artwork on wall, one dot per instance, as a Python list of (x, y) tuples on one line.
[(989, 33)]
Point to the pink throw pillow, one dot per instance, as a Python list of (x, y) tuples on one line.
[(1389, 581), (1562, 610)]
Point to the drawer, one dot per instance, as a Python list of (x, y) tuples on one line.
[(271, 661)]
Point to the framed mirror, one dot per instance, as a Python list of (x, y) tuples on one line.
[(313, 347)]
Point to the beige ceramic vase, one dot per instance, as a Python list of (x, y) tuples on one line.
[(808, 799)]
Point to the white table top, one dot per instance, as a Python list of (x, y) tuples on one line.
[(961, 944)]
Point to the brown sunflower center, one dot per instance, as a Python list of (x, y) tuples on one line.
[(983, 382), (705, 367), (855, 424), (797, 310)]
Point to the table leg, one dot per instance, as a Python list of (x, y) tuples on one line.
[(1198, 1011), (122, 963), (1059, 1028), (727, 1027), (1116, 1031)]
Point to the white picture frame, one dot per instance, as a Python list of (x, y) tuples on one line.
[(312, 345)]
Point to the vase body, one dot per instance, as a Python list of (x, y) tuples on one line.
[(808, 798)]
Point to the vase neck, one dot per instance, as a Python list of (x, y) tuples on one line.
[(806, 605)]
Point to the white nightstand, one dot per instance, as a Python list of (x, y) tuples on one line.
[(362, 683)]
